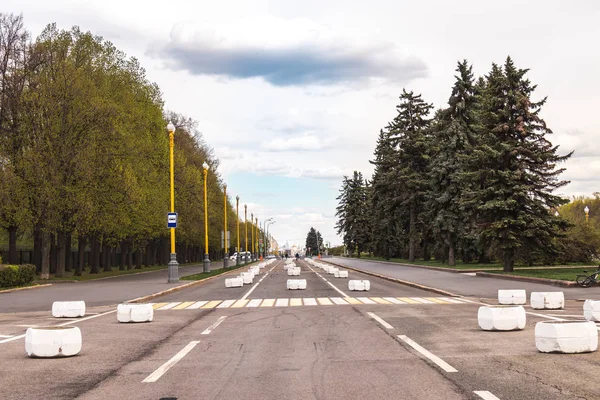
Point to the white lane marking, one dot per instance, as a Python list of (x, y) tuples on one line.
[(254, 303), (214, 326), (169, 306), (435, 359), (153, 377), (381, 321), (196, 305), (338, 300), (485, 395), (12, 338), (310, 301), (451, 300), (281, 303), (329, 283), (226, 304), (420, 300), (257, 283), (366, 300), (394, 300), (6, 336), (545, 316)]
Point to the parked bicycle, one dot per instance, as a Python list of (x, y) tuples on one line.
[(587, 280)]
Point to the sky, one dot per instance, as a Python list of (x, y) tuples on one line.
[(292, 94)]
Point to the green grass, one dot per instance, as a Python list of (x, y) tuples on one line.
[(203, 275), (86, 276), (566, 274), (435, 263)]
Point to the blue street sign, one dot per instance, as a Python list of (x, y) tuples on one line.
[(172, 220)]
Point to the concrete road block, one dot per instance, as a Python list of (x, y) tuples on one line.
[(255, 270), (501, 318), (332, 271), (294, 271), (68, 309), (547, 300), (591, 310), (296, 284), (363, 285), (341, 274), (234, 282), (135, 313), (247, 277), (53, 341), (566, 336), (512, 297)]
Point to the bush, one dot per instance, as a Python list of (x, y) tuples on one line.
[(16, 275)]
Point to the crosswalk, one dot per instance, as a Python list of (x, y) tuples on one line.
[(307, 301)]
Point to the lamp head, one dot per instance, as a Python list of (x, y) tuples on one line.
[(237, 198), (171, 127), (586, 209), (205, 166)]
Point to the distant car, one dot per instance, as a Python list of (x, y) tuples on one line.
[(271, 256), (244, 255)]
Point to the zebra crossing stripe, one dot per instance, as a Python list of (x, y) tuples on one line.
[(366, 300), (393, 300), (379, 300), (211, 304), (197, 305), (184, 305), (254, 303), (352, 300), (240, 303), (409, 301), (281, 303), (295, 302), (169, 306), (156, 306), (310, 302), (324, 301), (438, 301), (451, 300), (226, 304), (338, 300), (267, 303), (422, 300)]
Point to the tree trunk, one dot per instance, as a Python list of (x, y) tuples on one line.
[(138, 258), (37, 250), (509, 262), (45, 256), (129, 254), (95, 254), (106, 256), (123, 255), (80, 255), (60, 254), (53, 253), (12, 245), (412, 234), (451, 251), (426, 252), (69, 253)]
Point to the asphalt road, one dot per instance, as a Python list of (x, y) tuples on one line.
[(459, 283), (324, 342)]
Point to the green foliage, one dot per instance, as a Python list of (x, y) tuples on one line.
[(352, 212), (314, 242), (16, 275)]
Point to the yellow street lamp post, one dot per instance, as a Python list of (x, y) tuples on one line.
[(237, 214), (587, 213), (206, 263), (246, 230), (253, 254), (225, 247), (173, 275), (256, 240)]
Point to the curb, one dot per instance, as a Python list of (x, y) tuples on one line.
[(407, 283), (553, 282), (24, 288), (180, 287)]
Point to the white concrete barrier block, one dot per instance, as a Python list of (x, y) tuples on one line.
[(293, 271), (547, 300), (68, 309), (363, 285), (591, 310), (512, 297), (247, 277), (566, 336), (255, 270), (501, 318), (294, 284), (53, 341), (234, 282), (332, 271), (135, 313), (341, 274)]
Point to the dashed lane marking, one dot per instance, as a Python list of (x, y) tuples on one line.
[(211, 328), (426, 353), (380, 320), (153, 377), (485, 395)]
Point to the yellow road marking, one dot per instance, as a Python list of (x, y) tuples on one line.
[(409, 301), (295, 302), (156, 306), (380, 300), (267, 303), (240, 303), (324, 301), (211, 304), (436, 300), (183, 305), (352, 300)]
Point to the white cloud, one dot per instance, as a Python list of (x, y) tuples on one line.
[(295, 143)]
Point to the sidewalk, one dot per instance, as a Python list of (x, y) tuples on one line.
[(460, 284), (100, 292)]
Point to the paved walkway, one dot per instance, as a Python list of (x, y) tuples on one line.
[(99, 292), (459, 283)]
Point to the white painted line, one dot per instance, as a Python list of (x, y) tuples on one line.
[(310, 301), (545, 316), (197, 304), (435, 359), (381, 321), (226, 304), (468, 301), (420, 300), (451, 300), (254, 287), (281, 303), (214, 326), (12, 338), (169, 306), (338, 300), (394, 300), (254, 303), (566, 315), (153, 377), (365, 300), (6, 336), (485, 395), (330, 284)]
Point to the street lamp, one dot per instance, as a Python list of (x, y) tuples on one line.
[(226, 248), (256, 254), (252, 236), (265, 234), (237, 213), (556, 214), (206, 262), (268, 240), (246, 231), (173, 275), (587, 213)]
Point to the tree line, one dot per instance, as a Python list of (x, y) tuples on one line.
[(84, 157), (474, 180)]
